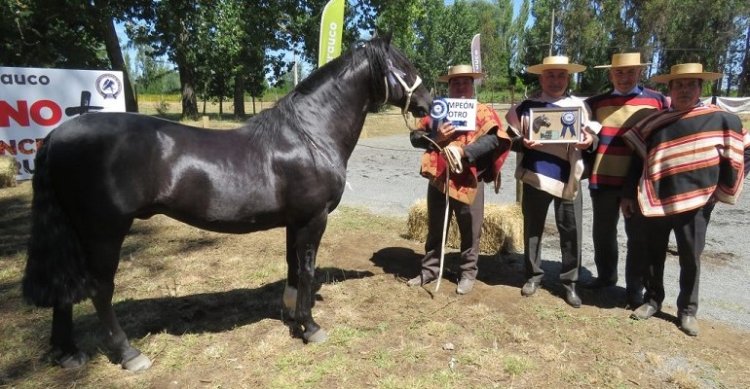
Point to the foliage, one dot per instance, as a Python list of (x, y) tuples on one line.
[(44, 33), (666, 32)]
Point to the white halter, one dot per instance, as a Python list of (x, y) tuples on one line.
[(398, 74)]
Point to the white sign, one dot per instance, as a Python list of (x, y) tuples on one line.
[(33, 101), (462, 113)]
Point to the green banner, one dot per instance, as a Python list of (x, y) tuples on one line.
[(331, 31)]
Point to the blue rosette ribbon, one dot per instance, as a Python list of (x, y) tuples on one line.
[(438, 113), (568, 119)]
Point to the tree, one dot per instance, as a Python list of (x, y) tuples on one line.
[(689, 31), (495, 24), (65, 34)]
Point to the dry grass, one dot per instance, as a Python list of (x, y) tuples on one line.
[(8, 171), (205, 307)]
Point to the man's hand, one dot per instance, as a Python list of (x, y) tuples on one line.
[(627, 206), (453, 155), (530, 144), (445, 132), (586, 142)]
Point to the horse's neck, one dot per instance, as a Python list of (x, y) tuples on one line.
[(339, 109)]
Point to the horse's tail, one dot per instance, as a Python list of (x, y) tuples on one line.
[(55, 269)]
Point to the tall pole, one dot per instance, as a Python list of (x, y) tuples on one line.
[(551, 32), (294, 68)]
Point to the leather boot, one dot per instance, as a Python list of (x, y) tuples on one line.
[(529, 288), (689, 325), (571, 297)]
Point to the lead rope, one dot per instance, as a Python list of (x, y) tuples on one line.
[(447, 213), (409, 91)]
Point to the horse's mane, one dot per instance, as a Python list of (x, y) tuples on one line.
[(375, 52)]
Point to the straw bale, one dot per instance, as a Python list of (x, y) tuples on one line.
[(8, 171), (502, 228)]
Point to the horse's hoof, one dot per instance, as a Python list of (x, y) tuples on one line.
[(73, 361), (318, 336), (140, 362)]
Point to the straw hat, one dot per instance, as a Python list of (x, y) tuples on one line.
[(556, 62), (460, 71), (687, 70), (623, 60)]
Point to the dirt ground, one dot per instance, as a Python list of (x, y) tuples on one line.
[(206, 308)]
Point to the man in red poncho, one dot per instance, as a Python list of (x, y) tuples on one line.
[(482, 153)]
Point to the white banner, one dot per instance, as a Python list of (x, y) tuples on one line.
[(462, 113), (33, 101), (730, 104)]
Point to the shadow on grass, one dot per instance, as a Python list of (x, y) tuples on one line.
[(193, 314), (500, 269), (209, 312), (15, 224)]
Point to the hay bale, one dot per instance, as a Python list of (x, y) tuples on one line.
[(8, 171), (502, 228)]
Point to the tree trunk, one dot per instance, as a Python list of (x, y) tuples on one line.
[(189, 100), (744, 77), (114, 52), (239, 96)]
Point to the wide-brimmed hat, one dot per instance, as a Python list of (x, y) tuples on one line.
[(555, 62), (686, 70), (460, 71), (624, 60)]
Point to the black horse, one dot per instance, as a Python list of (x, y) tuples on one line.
[(285, 167)]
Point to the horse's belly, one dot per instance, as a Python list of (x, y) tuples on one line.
[(237, 223)]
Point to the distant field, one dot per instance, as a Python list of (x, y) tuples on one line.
[(388, 122)]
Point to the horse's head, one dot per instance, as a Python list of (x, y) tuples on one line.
[(403, 87), (541, 121)]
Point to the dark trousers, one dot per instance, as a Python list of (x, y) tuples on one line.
[(534, 205), (690, 233), (605, 205), (469, 220)]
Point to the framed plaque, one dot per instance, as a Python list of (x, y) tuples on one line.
[(555, 125)]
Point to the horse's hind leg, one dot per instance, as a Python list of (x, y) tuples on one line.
[(117, 341), (64, 350), (302, 252), (105, 258)]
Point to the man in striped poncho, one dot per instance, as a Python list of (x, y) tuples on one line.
[(551, 174), (617, 110), (688, 157)]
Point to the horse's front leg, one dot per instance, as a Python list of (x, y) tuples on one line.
[(302, 247)]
